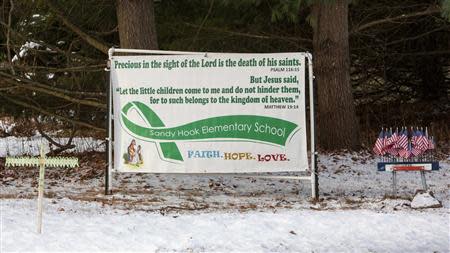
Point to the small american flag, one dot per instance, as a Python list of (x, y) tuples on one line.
[(404, 153), (379, 144), (417, 140), (409, 154), (394, 139), (413, 137), (392, 151), (387, 137), (403, 139), (422, 141), (416, 151), (391, 139)]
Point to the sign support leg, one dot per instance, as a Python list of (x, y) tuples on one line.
[(314, 171), (424, 181), (108, 150), (316, 177), (394, 183)]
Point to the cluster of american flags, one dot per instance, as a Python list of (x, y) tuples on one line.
[(404, 143)]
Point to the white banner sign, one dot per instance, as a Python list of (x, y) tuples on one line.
[(219, 113)]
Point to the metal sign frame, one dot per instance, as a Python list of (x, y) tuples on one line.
[(313, 177)]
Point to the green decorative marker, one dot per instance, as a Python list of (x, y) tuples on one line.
[(41, 161)]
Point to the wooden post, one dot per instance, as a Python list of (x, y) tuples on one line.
[(41, 189)]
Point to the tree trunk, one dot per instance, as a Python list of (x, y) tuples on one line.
[(337, 122), (136, 22)]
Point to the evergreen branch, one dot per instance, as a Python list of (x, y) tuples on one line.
[(43, 111), (433, 9), (249, 35), (35, 86), (86, 37)]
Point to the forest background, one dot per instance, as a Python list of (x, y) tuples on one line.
[(376, 63)]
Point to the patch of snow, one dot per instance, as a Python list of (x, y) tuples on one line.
[(17, 146), (24, 49), (424, 200), (84, 226), (6, 126), (50, 75), (222, 213), (61, 42), (29, 75)]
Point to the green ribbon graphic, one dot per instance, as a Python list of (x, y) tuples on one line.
[(257, 128)]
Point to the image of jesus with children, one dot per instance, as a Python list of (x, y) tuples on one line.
[(134, 153)]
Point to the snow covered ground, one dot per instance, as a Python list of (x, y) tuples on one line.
[(18, 146), (195, 213), (87, 226)]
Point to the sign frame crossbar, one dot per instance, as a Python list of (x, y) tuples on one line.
[(313, 177)]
